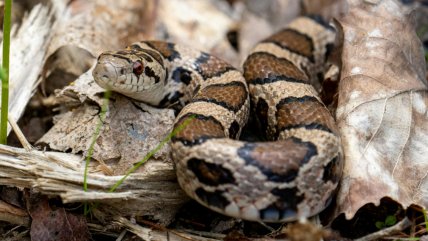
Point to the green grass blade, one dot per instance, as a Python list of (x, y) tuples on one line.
[(424, 211), (91, 146), (95, 137), (5, 72), (152, 152), (147, 157)]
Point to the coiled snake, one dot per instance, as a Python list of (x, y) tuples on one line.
[(291, 176)]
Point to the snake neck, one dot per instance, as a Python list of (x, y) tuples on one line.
[(186, 70)]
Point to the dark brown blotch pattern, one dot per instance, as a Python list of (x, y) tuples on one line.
[(144, 53), (261, 111), (264, 68), (182, 75), (152, 54), (280, 161), (294, 41), (209, 173), (214, 199), (333, 170), (304, 111), (199, 129), (234, 129), (166, 49), (231, 96), (152, 74), (209, 66)]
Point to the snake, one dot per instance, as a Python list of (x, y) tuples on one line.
[(293, 171)]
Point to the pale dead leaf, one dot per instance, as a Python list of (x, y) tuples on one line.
[(127, 135), (265, 17), (326, 8), (383, 108), (203, 25), (277, 12)]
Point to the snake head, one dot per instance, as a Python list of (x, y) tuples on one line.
[(131, 72)]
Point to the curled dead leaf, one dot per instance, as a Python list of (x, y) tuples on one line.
[(383, 108)]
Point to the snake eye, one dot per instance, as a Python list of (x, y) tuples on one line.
[(137, 68)]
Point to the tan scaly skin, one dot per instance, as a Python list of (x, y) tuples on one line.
[(292, 176)]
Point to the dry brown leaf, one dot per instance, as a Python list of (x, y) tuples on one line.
[(383, 108), (127, 134), (55, 224)]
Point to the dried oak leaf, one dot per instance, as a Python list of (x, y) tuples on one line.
[(127, 134), (55, 224), (382, 111)]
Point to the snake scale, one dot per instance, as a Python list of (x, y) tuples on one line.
[(295, 172)]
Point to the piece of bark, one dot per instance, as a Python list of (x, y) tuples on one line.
[(383, 108), (154, 192), (12, 214)]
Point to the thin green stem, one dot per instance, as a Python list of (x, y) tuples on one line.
[(146, 157), (5, 71), (91, 146), (425, 219), (152, 152), (95, 137)]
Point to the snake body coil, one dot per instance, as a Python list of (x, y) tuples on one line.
[(295, 173)]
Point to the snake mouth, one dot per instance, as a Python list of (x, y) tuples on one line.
[(111, 73), (114, 76)]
